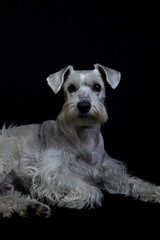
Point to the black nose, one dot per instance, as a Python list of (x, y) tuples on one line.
[(84, 106)]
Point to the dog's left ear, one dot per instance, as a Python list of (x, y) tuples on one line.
[(56, 80), (111, 76)]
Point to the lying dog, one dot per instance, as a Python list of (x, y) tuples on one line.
[(64, 162)]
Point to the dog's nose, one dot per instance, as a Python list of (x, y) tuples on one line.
[(84, 106)]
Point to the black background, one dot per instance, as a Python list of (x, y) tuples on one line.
[(41, 37)]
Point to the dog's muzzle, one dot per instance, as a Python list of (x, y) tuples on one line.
[(84, 106)]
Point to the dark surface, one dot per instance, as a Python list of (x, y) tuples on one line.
[(41, 38)]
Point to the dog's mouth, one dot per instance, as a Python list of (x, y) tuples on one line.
[(95, 114), (87, 118), (84, 115)]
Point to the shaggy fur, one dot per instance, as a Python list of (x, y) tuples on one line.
[(64, 162)]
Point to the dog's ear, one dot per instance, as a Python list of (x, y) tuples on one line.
[(56, 80), (111, 76)]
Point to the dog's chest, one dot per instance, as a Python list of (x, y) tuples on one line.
[(89, 146)]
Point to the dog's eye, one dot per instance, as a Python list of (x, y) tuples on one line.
[(72, 88), (97, 87)]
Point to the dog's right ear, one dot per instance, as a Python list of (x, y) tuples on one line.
[(56, 80)]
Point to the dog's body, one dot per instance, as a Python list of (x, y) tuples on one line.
[(64, 162)]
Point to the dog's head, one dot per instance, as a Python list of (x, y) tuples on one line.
[(84, 93)]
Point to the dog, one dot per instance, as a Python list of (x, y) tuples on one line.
[(64, 162)]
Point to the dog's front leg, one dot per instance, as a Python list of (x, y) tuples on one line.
[(88, 196), (116, 180), (67, 191)]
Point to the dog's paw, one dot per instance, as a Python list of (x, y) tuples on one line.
[(39, 209)]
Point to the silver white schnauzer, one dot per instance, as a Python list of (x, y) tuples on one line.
[(64, 162)]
